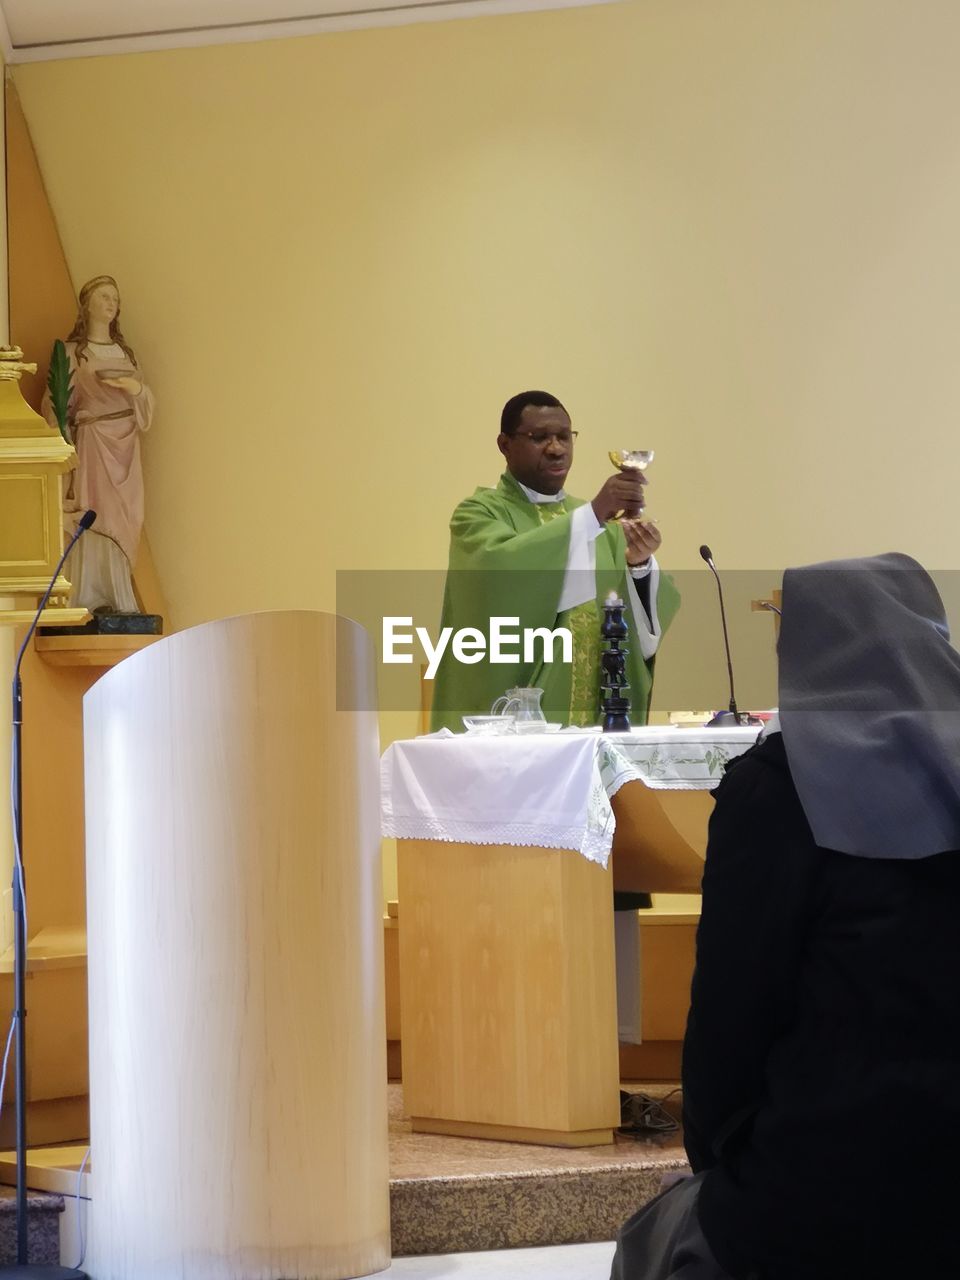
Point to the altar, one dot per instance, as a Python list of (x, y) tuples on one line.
[(506, 880)]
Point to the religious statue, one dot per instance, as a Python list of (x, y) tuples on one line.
[(100, 392)]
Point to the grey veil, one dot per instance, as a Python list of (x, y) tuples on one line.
[(870, 707)]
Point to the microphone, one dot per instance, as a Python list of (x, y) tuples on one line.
[(83, 524), (724, 719), (20, 926)]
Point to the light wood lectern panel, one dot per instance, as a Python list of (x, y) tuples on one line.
[(508, 993), (237, 1057)]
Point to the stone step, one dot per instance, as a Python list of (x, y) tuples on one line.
[(462, 1195), (452, 1195), (43, 1227), (517, 1211)]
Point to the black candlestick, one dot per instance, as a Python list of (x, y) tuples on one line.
[(615, 700)]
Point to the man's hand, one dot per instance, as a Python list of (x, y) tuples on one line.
[(643, 541), (622, 492)]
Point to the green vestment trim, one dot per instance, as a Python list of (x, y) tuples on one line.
[(583, 622)]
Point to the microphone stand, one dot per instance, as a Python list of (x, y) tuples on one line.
[(732, 716), (22, 1267)]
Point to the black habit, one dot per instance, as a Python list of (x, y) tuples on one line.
[(821, 1066)]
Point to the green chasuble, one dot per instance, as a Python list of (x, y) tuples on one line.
[(508, 558)]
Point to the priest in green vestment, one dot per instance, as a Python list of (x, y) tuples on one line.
[(528, 550)]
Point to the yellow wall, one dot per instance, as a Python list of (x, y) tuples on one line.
[(725, 231)]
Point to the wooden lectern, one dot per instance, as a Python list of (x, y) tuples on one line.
[(237, 1057)]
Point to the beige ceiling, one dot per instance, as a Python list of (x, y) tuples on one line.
[(44, 29)]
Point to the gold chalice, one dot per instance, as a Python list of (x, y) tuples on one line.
[(631, 460)]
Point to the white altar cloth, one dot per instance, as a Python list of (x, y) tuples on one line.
[(543, 790)]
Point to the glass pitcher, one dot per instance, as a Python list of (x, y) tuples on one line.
[(524, 706)]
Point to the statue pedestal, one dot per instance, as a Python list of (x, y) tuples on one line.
[(112, 624)]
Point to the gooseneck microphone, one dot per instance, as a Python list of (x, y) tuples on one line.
[(22, 1267), (724, 719), (83, 524)]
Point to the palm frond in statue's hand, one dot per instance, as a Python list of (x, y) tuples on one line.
[(59, 381)]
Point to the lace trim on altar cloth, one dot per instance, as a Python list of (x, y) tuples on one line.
[(592, 844)]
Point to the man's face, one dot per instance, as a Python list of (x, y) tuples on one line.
[(539, 454)]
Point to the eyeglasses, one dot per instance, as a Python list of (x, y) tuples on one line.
[(540, 438)]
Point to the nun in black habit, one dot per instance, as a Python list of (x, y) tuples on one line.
[(821, 1064)]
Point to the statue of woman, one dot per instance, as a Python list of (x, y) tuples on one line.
[(110, 404)]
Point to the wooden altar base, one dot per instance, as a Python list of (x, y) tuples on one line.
[(512, 1133), (508, 993)]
